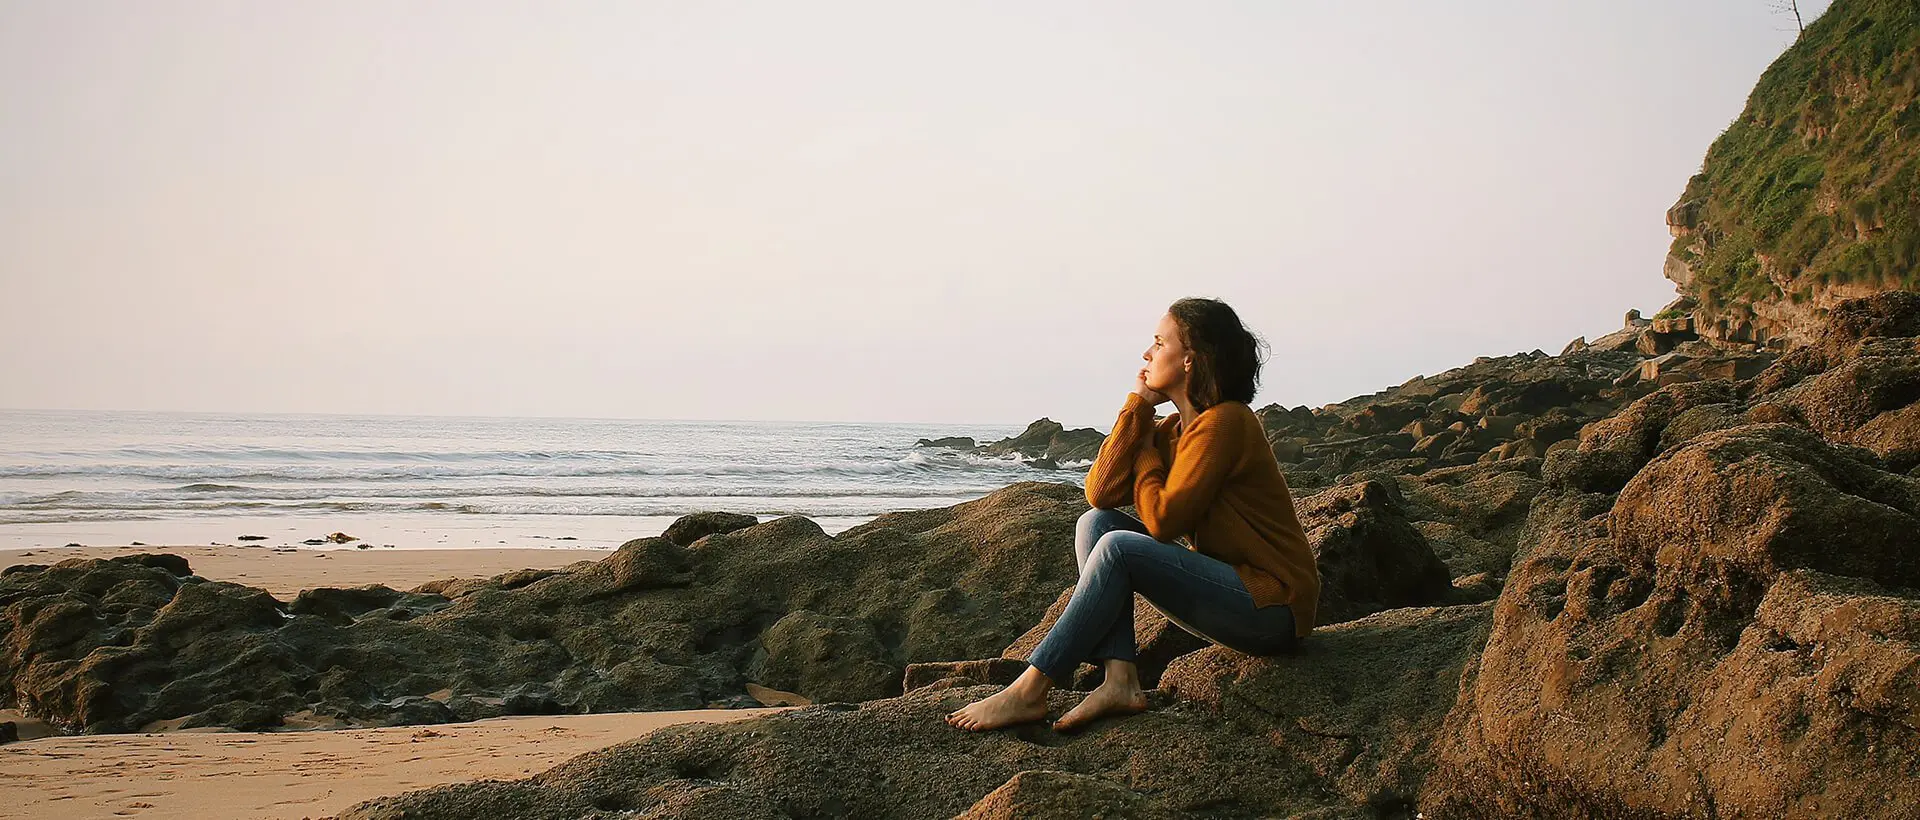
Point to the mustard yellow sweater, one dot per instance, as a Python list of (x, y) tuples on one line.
[(1216, 483)]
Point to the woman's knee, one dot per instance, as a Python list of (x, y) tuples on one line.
[(1116, 545), (1093, 524), (1097, 517)]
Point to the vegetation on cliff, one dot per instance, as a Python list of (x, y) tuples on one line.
[(1817, 183)]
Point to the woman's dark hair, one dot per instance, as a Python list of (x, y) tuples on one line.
[(1226, 356)]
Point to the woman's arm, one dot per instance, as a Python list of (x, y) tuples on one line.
[(1110, 482), (1171, 502)]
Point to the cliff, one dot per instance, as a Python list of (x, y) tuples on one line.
[(1811, 196)]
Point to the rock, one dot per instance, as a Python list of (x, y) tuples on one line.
[(1664, 335), (910, 764), (1371, 743), (1655, 644), (1370, 556), (773, 697), (1288, 449), (1386, 417), (1046, 438), (1624, 340), (340, 538), (1433, 446), (825, 658), (1499, 426), (1864, 395), (343, 605), (640, 564), (997, 671), (1051, 795), (9, 732), (950, 442), (1725, 623), (251, 538), (1675, 325), (1520, 448), (690, 528)]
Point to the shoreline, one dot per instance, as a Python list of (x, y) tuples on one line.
[(421, 531), (284, 572)]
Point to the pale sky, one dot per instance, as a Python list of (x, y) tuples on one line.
[(886, 211)]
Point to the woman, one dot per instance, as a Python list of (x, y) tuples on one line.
[(1249, 581)]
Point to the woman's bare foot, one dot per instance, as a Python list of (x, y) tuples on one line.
[(1003, 708), (1112, 697)]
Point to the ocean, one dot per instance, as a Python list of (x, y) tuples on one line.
[(108, 478)]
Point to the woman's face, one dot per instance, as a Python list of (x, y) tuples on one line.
[(1167, 358)]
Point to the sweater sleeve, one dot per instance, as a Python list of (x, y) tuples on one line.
[(1172, 500), (1110, 481)]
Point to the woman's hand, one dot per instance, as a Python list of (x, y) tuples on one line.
[(1154, 397)]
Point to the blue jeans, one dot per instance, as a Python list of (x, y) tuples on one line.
[(1200, 594)]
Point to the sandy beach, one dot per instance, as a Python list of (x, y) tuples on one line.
[(300, 774), (296, 774), (285, 572)]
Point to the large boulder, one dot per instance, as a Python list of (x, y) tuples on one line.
[(1370, 556), (1725, 635)]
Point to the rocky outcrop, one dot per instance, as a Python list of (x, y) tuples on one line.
[(114, 645), (1717, 611), (1494, 409), (1045, 443), (1226, 735)]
